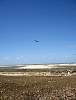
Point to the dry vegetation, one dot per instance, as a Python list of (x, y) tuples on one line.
[(37, 88)]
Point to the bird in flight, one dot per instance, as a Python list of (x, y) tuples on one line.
[(36, 41)]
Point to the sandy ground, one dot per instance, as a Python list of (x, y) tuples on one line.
[(35, 74)]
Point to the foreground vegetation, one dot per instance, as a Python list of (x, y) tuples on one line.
[(37, 88)]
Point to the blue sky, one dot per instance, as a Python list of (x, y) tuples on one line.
[(52, 22)]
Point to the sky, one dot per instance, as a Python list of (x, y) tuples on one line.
[(51, 22)]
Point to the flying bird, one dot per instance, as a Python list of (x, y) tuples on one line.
[(36, 41)]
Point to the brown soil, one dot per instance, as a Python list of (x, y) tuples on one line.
[(37, 88)]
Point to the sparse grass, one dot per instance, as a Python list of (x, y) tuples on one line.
[(37, 88)]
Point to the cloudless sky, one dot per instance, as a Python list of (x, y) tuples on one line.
[(51, 22)]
